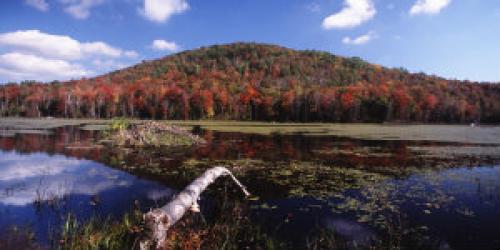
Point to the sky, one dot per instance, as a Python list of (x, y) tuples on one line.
[(49, 40)]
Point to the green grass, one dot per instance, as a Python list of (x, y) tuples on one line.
[(100, 234)]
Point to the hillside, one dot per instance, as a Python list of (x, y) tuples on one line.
[(247, 81)]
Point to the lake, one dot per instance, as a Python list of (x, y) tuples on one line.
[(353, 190)]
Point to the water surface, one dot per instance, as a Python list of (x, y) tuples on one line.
[(364, 191)]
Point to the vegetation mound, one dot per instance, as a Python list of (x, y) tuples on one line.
[(151, 134)]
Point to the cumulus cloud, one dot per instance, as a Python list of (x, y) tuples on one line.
[(40, 5), (363, 39), (57, 46), (354, 13), (54, 46), (80, 9), (101, 49), (131, 54), (164, 45), (21, 66), (429, 7), (108, 64), (161, 10), (35, 55)]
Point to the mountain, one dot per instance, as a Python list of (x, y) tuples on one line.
[(249, 81)]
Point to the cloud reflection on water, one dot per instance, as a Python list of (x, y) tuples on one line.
[(25, 179)]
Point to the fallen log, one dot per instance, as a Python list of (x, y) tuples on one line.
[(160, 220)]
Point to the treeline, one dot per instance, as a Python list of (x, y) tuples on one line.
[(258, 82)]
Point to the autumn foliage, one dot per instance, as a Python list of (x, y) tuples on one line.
[(247, 81)]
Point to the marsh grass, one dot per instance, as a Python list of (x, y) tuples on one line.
[(13, 123), (99, 233), (228, 227), (231, 228), (18, 238)]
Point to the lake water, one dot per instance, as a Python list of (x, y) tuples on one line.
[(363, 191)]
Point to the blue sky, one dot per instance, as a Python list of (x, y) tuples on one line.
[(64, 39)]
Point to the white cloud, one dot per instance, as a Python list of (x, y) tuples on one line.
[(40, 5), (164, 45), (34, 55), (108, 64), (429, 7), (161, 10), (80, 9), (19, 66), (363, 39), (101, 48), (354, 13), (56, 46), (131, 54)]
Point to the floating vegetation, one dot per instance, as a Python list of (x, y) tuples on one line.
[(357, 151), (448, 151), (380, 132)]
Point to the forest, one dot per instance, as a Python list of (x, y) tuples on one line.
[(250, 81)]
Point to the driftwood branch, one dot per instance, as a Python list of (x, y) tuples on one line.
[(160, 220)]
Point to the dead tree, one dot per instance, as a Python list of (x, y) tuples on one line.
[(160, 220)]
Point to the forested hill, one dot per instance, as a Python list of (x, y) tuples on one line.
[(247, 81)]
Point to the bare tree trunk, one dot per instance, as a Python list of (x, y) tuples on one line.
[(160, 220)]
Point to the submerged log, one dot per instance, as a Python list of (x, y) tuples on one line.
[(160, 220)]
